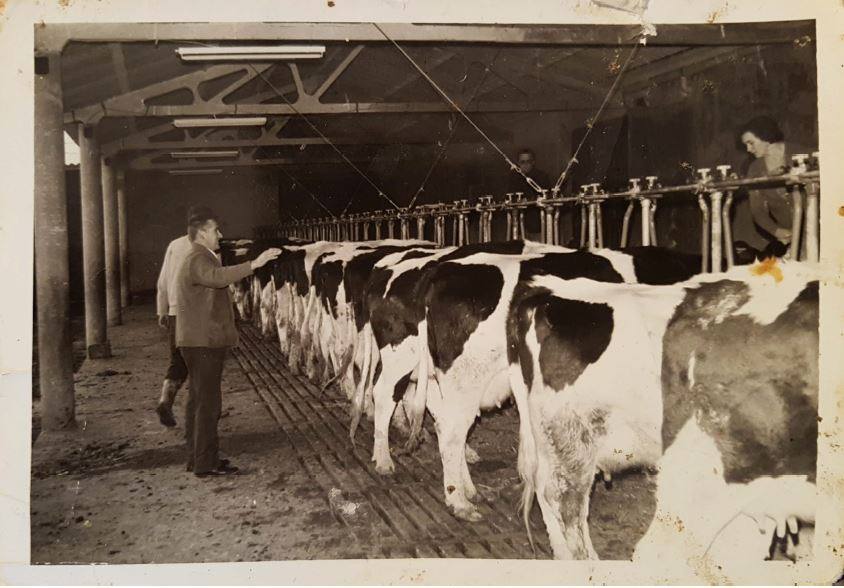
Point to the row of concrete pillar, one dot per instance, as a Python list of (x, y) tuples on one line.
[(104, 247)]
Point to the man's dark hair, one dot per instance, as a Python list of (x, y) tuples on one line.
[(764, 127), (197, 217), (527, 150)]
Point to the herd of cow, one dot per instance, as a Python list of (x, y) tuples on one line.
[(615, 360)]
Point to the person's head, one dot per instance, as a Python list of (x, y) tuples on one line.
[(758, 134), (526, 160), (203, 228)]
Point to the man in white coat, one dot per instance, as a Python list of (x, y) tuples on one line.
[(177, 371)]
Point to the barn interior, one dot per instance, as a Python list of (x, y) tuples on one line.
[(384, 115)]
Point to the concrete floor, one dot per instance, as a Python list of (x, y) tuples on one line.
[(115, 489)]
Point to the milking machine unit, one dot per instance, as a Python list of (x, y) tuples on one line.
[(714, 192)]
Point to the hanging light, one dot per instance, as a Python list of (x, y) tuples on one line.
[(251, 53), (203, 154), (195, 172), (242, 121)]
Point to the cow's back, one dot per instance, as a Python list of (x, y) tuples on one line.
[(753, 385)]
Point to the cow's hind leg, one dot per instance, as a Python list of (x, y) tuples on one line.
[(452, 424), (564, 473), (385, 405)]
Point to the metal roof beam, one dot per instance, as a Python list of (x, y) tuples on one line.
[(139, 144), (146, 163), (313, 107), (53, 37)]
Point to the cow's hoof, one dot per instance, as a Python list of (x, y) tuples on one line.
[(472, 455), (471, 493), (467, 513), (385, 469)]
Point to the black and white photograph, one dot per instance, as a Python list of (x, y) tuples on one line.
[(367, 292)]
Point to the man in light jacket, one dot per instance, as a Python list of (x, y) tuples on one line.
[(205, 329)]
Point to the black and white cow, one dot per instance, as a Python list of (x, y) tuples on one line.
[(340, 278), (462, 353), (714, 380), (388, 327), (247, 293)]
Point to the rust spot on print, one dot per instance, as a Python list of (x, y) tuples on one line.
[(716, 14), (768, 266), (64, 3), (451, 489), (841, 211), (331, 3), (2, 6)]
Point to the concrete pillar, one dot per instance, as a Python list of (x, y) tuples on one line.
[(93, 251), (55, 352), (123, 238), (112, 242)]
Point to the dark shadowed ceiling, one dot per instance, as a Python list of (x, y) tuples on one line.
[(364, 93)]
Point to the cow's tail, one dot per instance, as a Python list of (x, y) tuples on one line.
[(345, 362), (359, 396), (527, 461), (414, 405)]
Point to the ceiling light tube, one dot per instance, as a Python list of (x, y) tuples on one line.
[(252, 53), (195, 172), (254, 121), (201, 154)]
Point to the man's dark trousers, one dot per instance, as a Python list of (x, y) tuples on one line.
[(177, 371), (205, 372)]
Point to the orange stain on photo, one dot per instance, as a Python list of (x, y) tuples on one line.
[(768, 266)]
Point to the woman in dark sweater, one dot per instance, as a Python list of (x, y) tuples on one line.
[(771, 208)]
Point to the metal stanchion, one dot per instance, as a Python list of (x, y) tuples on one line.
[(405, 227), (796, 222), (728, 230), (704, 234), (652, 223), (798, 166), (508, 198), (647, 205), (724, 175), (555, 218), (543, 217), (813, 214), (592, 228), (455, 224), (812, 223), (485, 208), (717, 234), (599, 222), (633, 187)]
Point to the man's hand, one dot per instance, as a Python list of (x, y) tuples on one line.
[(266, 255), (163, 321)]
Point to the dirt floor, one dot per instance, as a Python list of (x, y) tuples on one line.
[(115, 489)]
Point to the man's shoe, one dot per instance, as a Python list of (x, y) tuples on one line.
[(165, 415), (221, 470), (223, 463)]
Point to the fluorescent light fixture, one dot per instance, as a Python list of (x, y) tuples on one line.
[(202, 154), (251, 53), (195, 172), (242, 121)]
